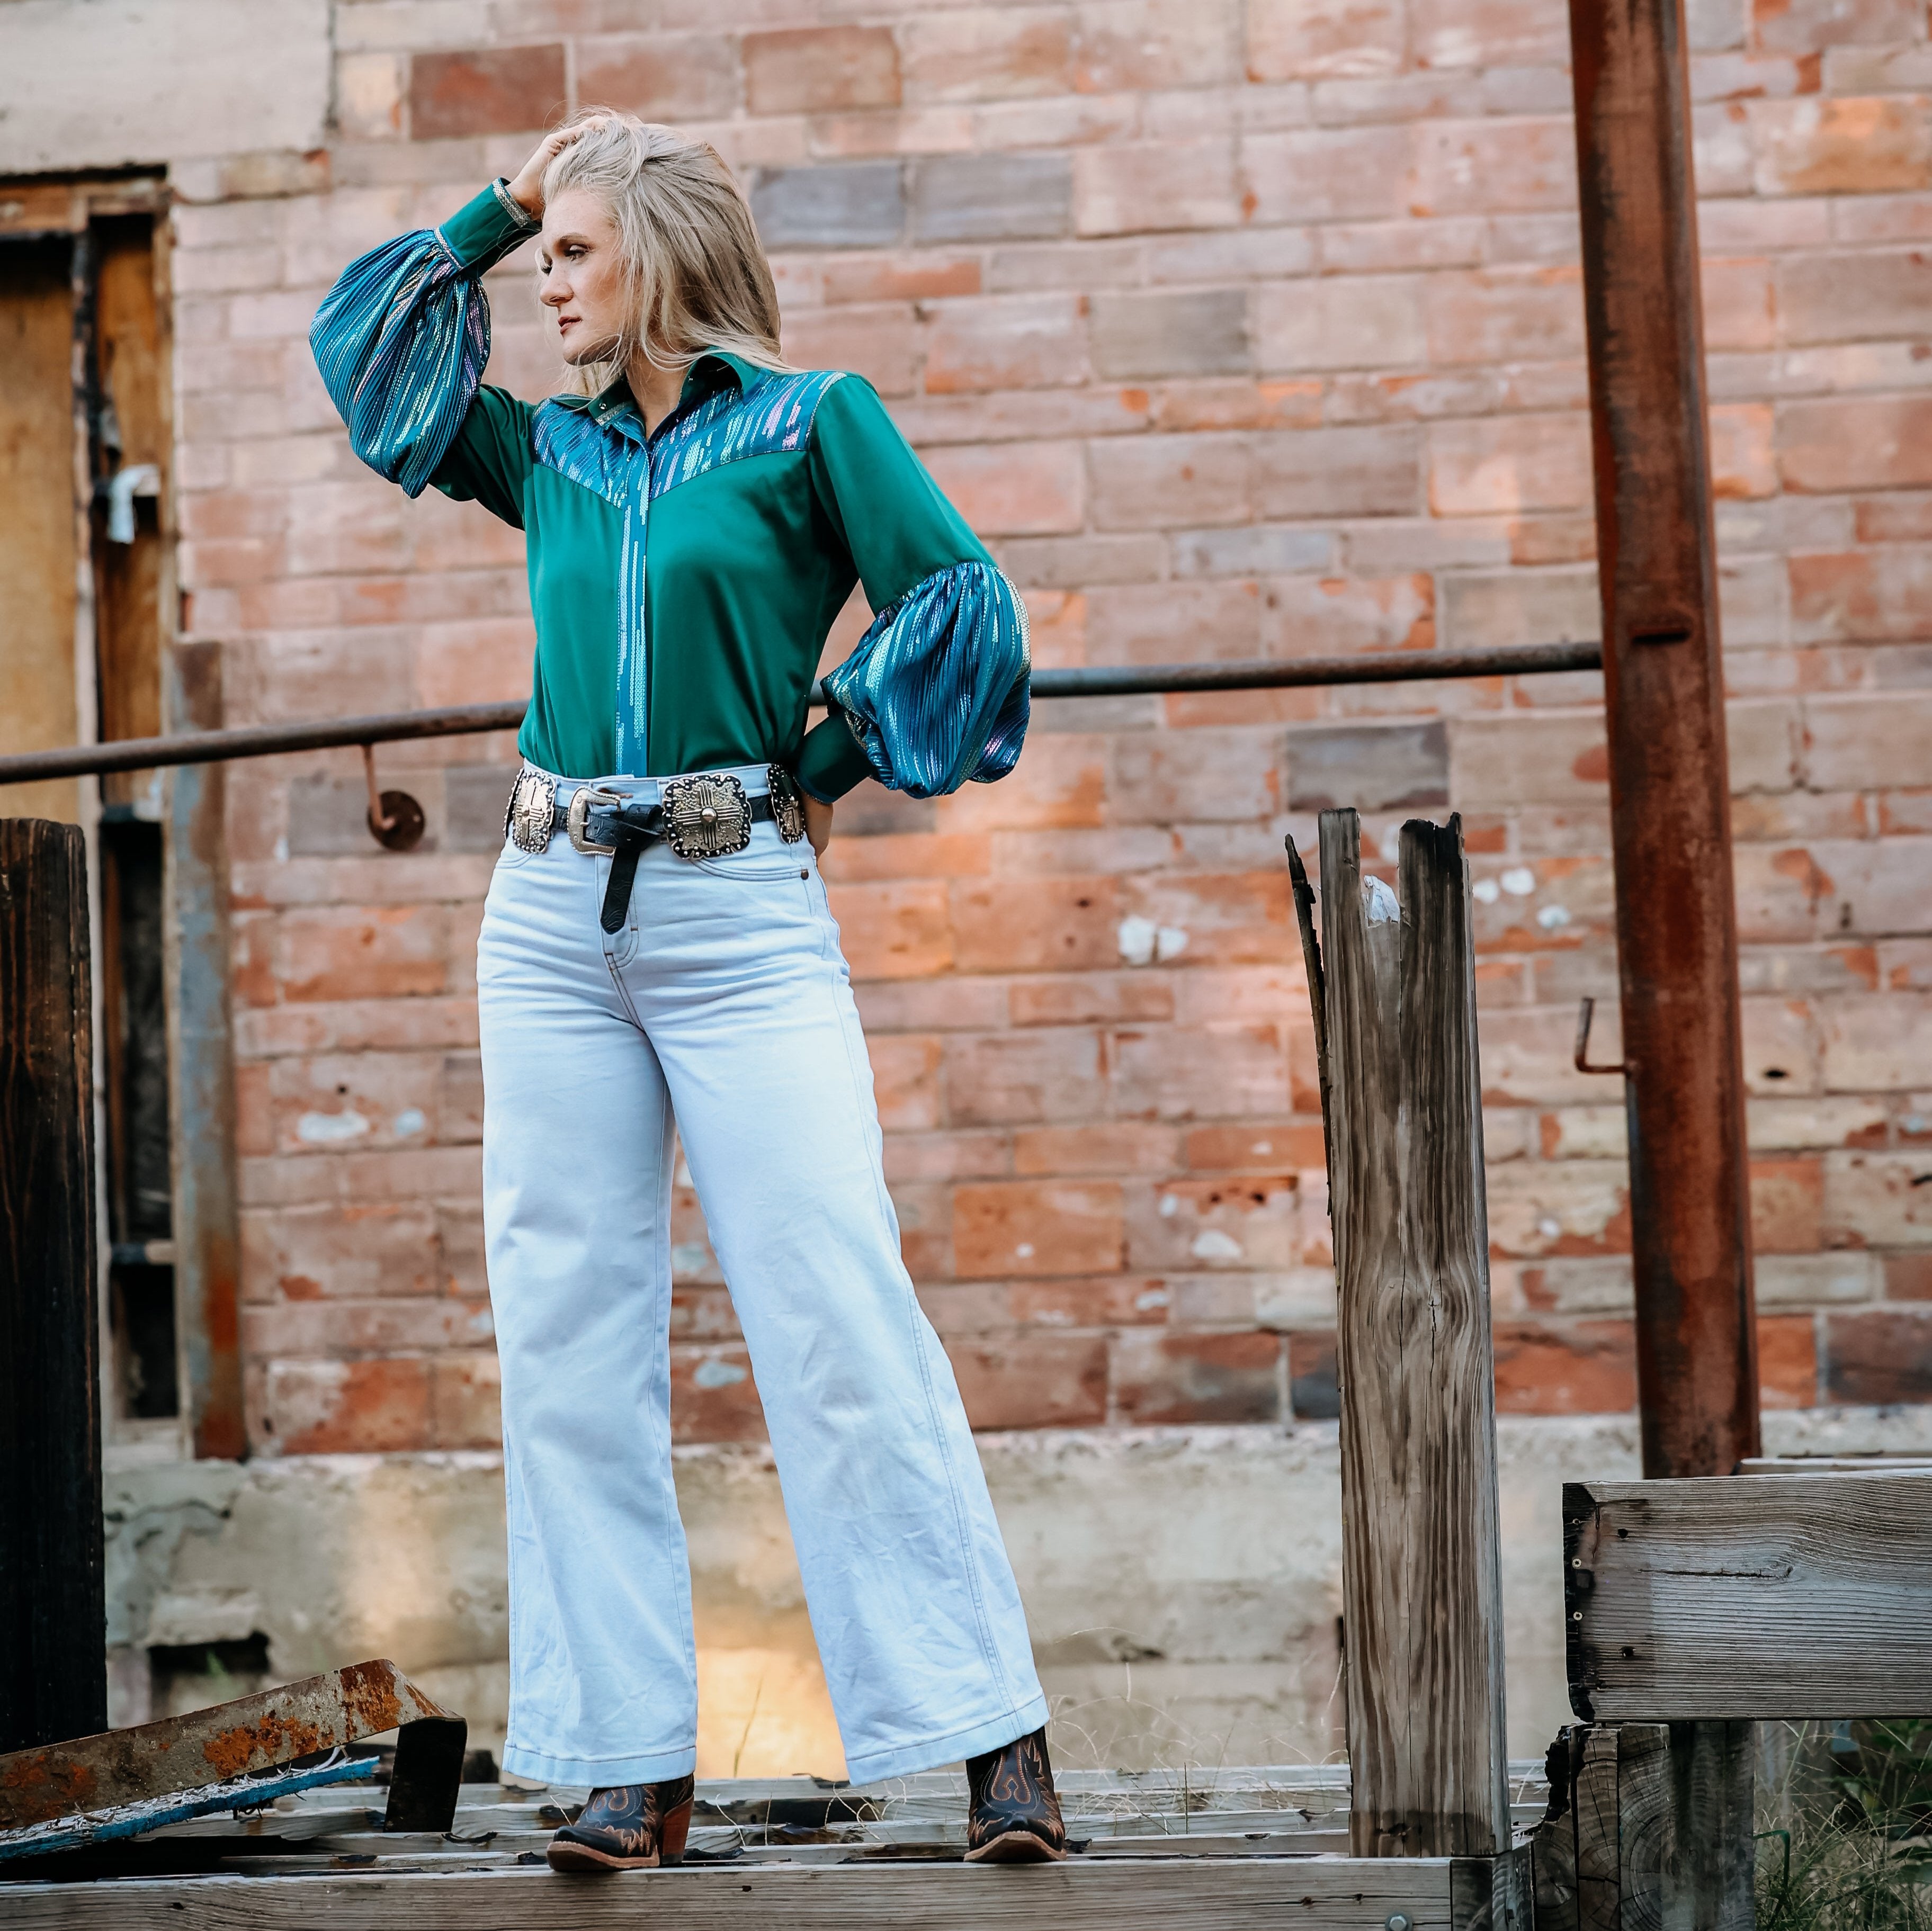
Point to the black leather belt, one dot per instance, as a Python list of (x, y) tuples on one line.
[(626, 830)]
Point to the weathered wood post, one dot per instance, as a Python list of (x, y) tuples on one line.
[(1393, 987), (53, 1672)]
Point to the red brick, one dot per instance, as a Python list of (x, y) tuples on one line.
[(905, 1074), (1102, 1148), (465, 1393), (1115, 1300), (1878, 1358), (1131, 187), (1226, 1223), (1289, 40), (1002, 1078), (342, 1407), (1169, 1379), (1313, 1385), (1004, 343), (1587, 1367), (1494, 165), (1036, 1380), (1879, 595), (1787, 1361), (485, 91), (869, 278), (1321, 617), (1329, 174), (713, 1397), (1507, 463), (1173, 1073), (1016, 489), (1817, 145), (1506, 314), (1153, 482), (877, 341), (660, 77), (1154, 44), (1261, 1147), (893, 931), (987, 54), (1020, 1229), (1803, 26), (1787, 1197), (1908, 1277), (1042, 925), (820, 69), (1091, 997)]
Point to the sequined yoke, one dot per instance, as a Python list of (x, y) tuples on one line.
[(683, 583)]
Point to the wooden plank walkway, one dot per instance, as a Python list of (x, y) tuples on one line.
[(1240, 1848)]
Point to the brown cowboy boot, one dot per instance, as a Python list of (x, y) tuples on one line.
[(1015, 1816), (634, 1827)]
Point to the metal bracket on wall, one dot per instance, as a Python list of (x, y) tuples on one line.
[(243, 1740), (395, 819), (1585, 1013)]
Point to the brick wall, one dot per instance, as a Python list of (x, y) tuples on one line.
[(1237, 333)]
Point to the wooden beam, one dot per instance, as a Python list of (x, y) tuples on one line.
[(53, 1674), (1421, 1583), (1749, 1596), (1654, 1825), (1083, 1894)]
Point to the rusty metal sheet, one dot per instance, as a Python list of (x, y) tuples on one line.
[(254, 1733)]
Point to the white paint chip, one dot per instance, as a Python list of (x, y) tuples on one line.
[(408, 1121), (1211, 1244), (712, 1373), (1137, 938), (1152, 1297), (1484, 891), (1518, 881), (1553, 918), (1024, 1250), (1169, 942), (329, 1129)]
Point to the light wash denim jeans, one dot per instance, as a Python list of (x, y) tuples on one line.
[(724, 1003)]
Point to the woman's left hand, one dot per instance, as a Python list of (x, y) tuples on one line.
[(817, 825)]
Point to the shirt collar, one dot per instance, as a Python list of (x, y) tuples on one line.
[(617, 408)]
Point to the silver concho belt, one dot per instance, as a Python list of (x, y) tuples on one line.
[(707, 814)]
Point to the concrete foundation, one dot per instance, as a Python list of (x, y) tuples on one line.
[(1183, 1585)]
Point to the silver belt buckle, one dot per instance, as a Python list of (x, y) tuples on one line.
[(531, 812), (581, 800), (707, 815)]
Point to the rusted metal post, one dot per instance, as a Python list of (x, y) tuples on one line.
[(1664, 692), (53, 1644)]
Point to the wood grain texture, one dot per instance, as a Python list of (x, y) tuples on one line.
[(1713, 1793), (1599, 1874), (1335, 1894), (1421, 1584), (1748, 1597), (53, 1677), (1553, 1844), (1646, 1834)]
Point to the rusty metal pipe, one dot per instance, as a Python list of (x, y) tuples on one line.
[(1664, 699), (1374, 666)]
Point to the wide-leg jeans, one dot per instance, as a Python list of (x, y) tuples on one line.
[(723, 1005)]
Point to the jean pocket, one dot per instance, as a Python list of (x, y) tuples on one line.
[(756, 868)]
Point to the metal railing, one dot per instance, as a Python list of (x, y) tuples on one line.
[(1379, 666)]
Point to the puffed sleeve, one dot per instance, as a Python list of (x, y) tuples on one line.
[(401, 341), (936, 693)]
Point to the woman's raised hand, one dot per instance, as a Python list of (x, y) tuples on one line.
[(526, 190)]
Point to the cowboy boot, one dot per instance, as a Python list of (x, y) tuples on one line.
[(634, 1827), (1014, 1816)]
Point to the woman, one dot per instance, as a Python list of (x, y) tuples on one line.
[(656, 943)]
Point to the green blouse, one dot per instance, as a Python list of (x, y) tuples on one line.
[(682, 584)]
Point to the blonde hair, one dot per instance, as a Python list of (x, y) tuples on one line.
[(691, 252)]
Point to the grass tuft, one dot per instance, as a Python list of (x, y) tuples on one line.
[(1845, 1841)]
